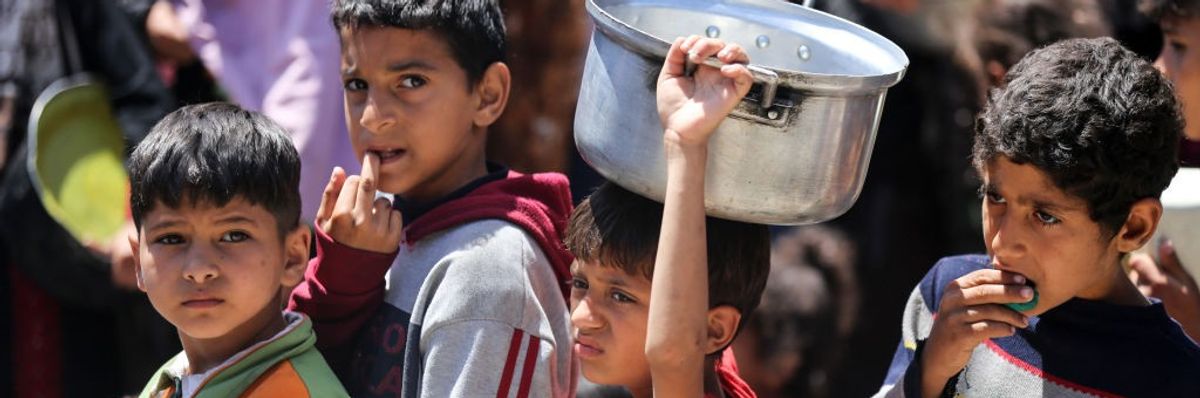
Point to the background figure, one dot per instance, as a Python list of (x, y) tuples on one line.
[(796, 338), (278, 57), (66, 329), (547, 43)]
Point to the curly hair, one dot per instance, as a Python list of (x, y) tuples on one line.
[(1100, 121), (1159, 9)]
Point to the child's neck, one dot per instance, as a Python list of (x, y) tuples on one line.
[(205, 354), (1117, 289), (451, 180)]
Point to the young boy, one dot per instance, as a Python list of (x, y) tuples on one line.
[(216, 202), (1167, 279), (1073, 153), (459, 287), (641, 302)]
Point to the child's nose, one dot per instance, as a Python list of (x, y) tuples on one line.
[(1006, 241), (583, 316), (377, 114), (201, 266)]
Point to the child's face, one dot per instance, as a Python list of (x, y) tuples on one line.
[(409, 101), (1180, 61), (216, 272), (1033, 228), (609, 309)]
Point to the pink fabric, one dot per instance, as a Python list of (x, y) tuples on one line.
[(731, 382), (282, 58)]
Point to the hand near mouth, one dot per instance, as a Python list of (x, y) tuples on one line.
[(972, 310), (351, 214)]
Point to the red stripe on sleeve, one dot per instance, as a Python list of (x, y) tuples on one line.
[(531, 356), (514, 347)]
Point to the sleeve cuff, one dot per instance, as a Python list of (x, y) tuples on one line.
[(345, 270)]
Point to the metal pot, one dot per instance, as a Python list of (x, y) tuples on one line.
[(794, 151)]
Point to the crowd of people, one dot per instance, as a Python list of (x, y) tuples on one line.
[(380, 198)]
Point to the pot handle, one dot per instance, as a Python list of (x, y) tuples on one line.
[(766, 77)]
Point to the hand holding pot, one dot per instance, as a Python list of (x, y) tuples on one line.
[(691, 107)]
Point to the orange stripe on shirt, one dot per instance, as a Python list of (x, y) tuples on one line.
[(280, 381)]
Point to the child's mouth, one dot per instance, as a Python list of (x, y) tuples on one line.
[(1028, 305), (386, 155)]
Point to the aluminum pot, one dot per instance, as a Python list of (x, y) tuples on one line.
[(794, 151)]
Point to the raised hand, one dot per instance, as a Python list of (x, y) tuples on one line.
[(351, 214), (691, 107), (1168, 281)]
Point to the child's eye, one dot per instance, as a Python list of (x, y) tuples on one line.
[(169, 239), (578, 284), (1177, 46), (355, 85), (994, 197), (234, 236), (412, 81), (1046, 218), (621, 297)]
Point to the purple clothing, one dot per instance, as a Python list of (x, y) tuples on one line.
[(282, 58)]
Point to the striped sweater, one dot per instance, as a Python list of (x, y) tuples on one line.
[(1079, 349)]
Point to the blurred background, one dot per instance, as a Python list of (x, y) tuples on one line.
[(73, 324)]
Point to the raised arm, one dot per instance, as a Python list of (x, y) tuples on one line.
[(690, 108)]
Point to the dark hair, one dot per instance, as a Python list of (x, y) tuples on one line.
[(473, 29), (1099, 120), (214, 153), (617, 228), (1159, 9)]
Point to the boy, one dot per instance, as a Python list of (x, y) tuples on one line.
[(215, 198), (640, 299), (1167, 279), (1073, 154), (459, 287)]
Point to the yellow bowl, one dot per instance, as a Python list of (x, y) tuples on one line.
[(76, 159)]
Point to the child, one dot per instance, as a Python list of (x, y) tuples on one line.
[(1167, 279), (1180, 22), (641, 302), (1073, 154), (458, 288), (216, 202)]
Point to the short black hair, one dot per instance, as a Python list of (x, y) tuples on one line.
[(617, 228), (213, 153), (1159, 9), (473, 29), (1099, 120)]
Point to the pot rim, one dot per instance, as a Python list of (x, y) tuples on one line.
[(651, 46)]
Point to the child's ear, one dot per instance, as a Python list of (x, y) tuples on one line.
[(296, 256), (1140, 225), (492, 91), (723, 322), (134, 246)]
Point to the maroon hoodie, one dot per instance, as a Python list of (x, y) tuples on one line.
[(372, 335)]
